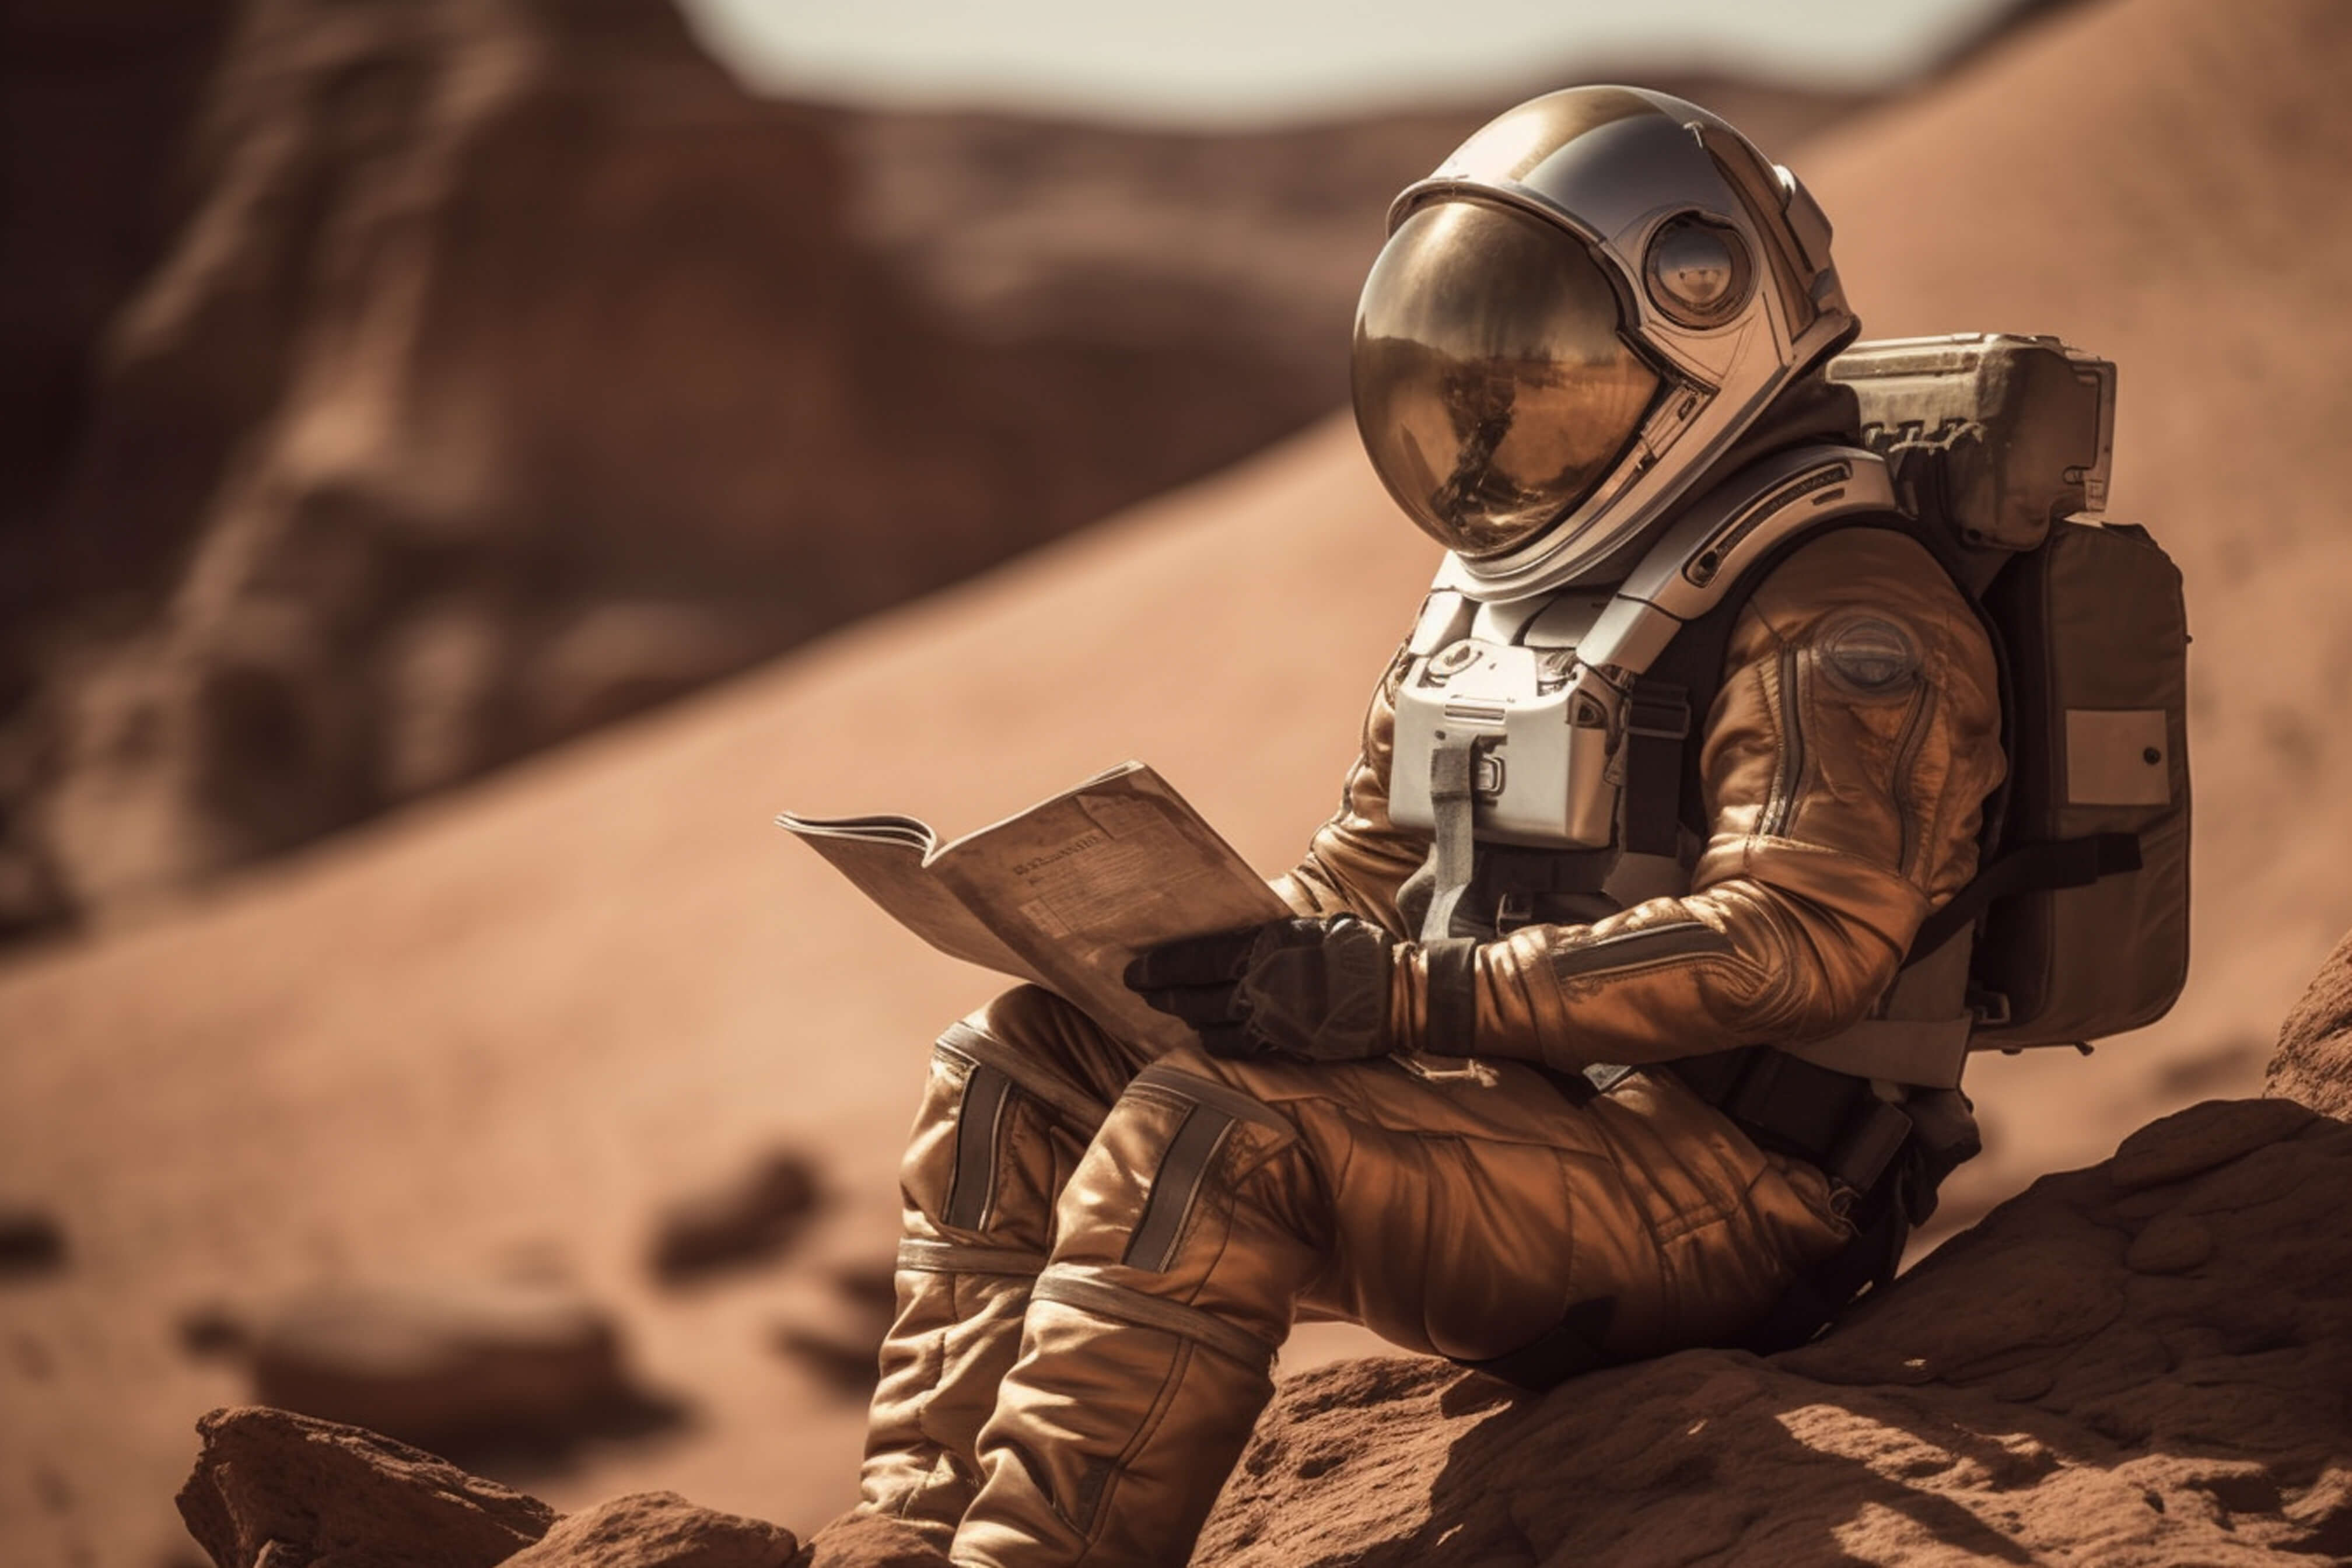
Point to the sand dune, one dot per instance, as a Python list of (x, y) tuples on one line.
[(503, 1028)]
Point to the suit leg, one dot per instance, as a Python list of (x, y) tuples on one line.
[(1467, 1213), (1015, 1093)]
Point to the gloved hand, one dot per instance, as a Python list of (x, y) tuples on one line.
[(1314, 989)]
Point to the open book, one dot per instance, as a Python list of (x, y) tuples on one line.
[(1063, 894)]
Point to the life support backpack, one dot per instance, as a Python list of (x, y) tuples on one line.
[(1553, 754), (2001, 446)]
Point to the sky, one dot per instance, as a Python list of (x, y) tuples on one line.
[(1226, 61)]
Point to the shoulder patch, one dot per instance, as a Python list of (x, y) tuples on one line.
[(1866, 655)]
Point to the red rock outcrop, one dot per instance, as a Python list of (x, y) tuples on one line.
[(513, 370), (344, 1498), (274, 1488), (2091, 1372), (2314, 1061), (858, 1542), (2144, 1363), (658, 1530)]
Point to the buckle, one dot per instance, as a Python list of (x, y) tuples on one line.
[(1658, 716), (1865, 1149)]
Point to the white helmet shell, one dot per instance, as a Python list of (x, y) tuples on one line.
[(1537, 422)]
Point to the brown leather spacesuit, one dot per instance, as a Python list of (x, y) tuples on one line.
[(1103, 1252), (1154, 1227)]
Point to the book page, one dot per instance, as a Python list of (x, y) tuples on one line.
[(883, 856), (1080, 884)]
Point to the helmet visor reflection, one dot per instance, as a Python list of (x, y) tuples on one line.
[(1493, 388)]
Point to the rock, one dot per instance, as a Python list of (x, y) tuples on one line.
[(862, 1541), (213, 1330), (753, 1218), (458, 1368), (332, 1496), (2144, 1363), (405, 385), (31, 1242), (514, 369), (2313, 1065), (847, 1363), (843, 1348), (657, 1529), (337, 1496)]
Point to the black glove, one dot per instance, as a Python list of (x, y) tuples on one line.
[(1314, 989)]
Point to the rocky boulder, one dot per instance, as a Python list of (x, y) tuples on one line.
[(273, 1489), (2314, 1061), (31, 1242), (856, 1541), (478, 1368), (750, 1218), (338, 1497), (2143, 1363), (657, 1529)]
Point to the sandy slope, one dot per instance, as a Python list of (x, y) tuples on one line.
[(500, 1030)]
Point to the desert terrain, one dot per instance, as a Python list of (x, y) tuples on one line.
[(493, 1036)]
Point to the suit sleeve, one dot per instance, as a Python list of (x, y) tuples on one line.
[(1356, 861), (1845, 763)]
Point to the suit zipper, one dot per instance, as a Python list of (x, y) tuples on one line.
[(1906, 752), (1793, 749)]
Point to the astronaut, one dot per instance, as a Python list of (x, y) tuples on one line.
[(1599, 1031)]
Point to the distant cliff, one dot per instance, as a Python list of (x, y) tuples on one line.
[(448, 377)]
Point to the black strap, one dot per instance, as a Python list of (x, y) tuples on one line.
[(1831, 1119), (1569, 1348), (1450, 1025), (2028, 869), (1815, 1297), (1658, 723)]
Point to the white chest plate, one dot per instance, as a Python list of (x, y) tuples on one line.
[(1538, 687), (1539, 720)]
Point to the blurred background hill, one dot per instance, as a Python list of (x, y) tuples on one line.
[(393, 389), (397, 390)]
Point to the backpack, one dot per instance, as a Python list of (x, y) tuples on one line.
[(1992, 453), (1999, 447)]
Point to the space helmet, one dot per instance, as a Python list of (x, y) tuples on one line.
[(1578, 313)]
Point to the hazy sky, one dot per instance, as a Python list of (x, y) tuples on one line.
[(1228, 59)]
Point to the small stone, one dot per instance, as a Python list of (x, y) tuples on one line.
[(213, 1330), (657, 1529), (2170, 1244), (31, 1357), (753, 1218), (452, 1366), (31, 1243), (851, 1367)]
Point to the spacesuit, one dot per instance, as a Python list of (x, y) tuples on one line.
[(1600, 1032)]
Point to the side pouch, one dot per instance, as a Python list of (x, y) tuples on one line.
[(2098, 640)]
